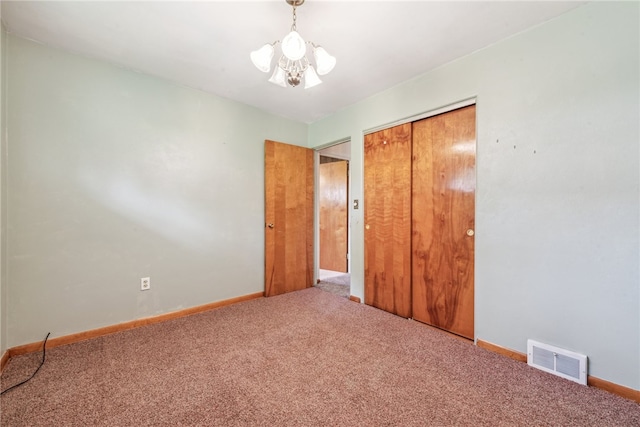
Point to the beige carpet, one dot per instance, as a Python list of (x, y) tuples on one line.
[(337, 285), (341, 279), (307, 358)]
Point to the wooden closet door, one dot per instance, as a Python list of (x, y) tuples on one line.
[(387, 216), (443, 197)]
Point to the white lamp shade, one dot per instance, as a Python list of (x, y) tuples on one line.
[(293, 46), (311, 79), (261, 58), (324, 61), (278, 77)]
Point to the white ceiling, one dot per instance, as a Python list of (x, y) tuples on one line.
[(206, 44)]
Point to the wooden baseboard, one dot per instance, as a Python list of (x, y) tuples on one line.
[(592, 381), (4, 360), (512, 354), (94, 333), (614, 388), (354, 299)]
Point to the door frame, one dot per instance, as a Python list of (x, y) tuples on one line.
[(316, 214), (444, 109)]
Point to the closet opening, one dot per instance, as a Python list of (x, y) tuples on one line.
[(419, 219)]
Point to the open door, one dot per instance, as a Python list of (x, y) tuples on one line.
[(334, 215), (288, 218)]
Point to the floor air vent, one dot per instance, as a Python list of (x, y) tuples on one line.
[(557, 361)]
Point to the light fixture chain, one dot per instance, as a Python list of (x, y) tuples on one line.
[(293, 26)]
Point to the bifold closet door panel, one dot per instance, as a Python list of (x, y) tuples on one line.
[(443, 198), (387, 217)]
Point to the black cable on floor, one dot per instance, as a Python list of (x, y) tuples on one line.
[(44, 354)]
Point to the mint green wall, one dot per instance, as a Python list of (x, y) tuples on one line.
[(114, 176), (557, 200)]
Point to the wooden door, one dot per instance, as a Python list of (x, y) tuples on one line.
[(332, 198), (387, 217), (443, 198), (288, 218)]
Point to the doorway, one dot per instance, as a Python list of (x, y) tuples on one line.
[(333, 219)]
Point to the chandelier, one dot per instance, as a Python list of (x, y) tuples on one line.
[(293, 65)]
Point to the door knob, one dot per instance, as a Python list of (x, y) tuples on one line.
[(470, 232), (270, 225)]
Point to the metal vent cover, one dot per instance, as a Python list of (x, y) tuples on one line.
[(557, 361)]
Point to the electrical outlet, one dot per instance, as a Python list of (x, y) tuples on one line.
[(145, 283)]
